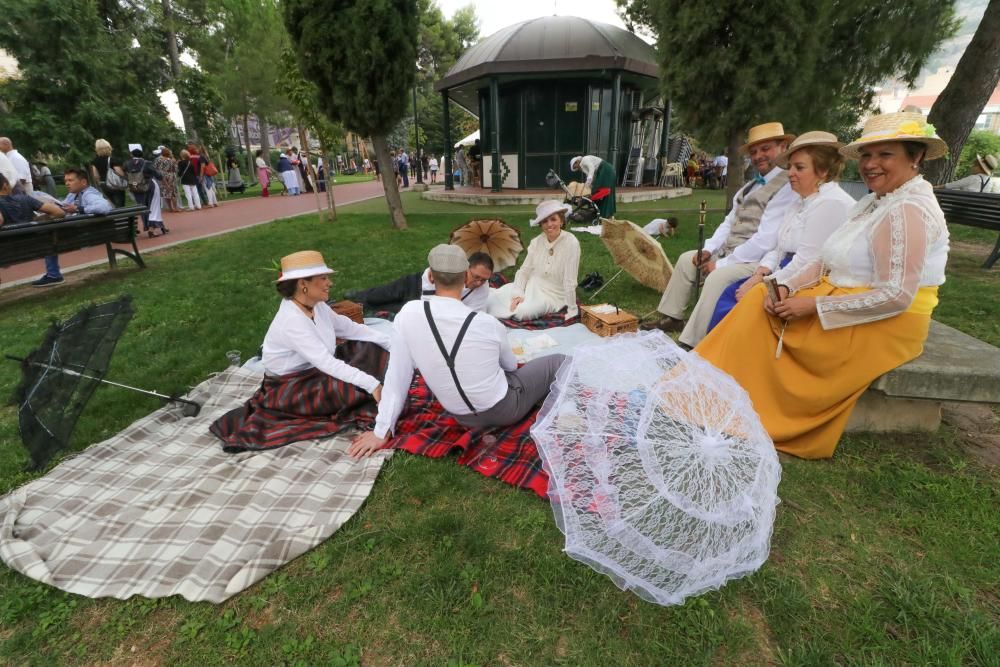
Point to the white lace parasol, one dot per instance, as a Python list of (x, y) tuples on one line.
[(660, 473)]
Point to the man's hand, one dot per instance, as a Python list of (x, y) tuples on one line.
[(366, 444), (699, 259), (69, 208), (515, 302), (708, 267), (377, 394), (751, 282)]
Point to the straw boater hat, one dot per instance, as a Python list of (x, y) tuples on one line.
[(304, 264), (814, 138), (988, 163), (899, 126), (547, 208), (765, 132)]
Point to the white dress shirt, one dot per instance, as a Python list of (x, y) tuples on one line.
[(721, 161), (476, 299), (21, 165), (976, 183), (808, 223), (482, 359), (751, 250), (294, 342)]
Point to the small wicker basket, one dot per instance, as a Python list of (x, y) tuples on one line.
[(350, 310), (608, 324)]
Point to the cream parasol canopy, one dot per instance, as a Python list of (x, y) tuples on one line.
[(637, 253), (494, 237)]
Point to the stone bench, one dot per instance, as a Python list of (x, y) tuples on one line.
[(953, 367)]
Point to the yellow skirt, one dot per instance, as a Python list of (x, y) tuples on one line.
[(805, 396)]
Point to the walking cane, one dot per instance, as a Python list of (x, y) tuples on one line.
[(701, 246)]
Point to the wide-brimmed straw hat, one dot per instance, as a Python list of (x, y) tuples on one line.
[(814, 138), (547, 208), (765, 132), (898, 126), (988, 163), (303, 264)]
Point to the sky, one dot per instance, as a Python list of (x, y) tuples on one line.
[(494, 14)]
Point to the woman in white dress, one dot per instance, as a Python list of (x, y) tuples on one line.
[(862, 308), (546, 281)]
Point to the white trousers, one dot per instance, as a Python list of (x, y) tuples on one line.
[(194, 201), (675, 298), (155, 206), (212, 198)]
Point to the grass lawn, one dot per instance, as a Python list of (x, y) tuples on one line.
[(886, 554)]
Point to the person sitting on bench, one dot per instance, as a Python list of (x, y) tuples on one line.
[(392, 296), (464, 357)]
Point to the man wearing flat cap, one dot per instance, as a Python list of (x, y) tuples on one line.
[(744, 237), (463, 356)]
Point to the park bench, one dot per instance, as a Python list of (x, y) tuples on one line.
[(973, 209), (954, 367), (23, 242)]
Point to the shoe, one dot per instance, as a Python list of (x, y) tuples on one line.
[(150, 233), (665, 324), (48, 281), (164, 230)]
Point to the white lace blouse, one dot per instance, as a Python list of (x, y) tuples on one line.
[(807, 225), (894, 244)]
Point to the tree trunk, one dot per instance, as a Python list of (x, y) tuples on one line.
[(392, 197), (310, 174), (175, 69), (734, 176), (330, 203), (265, 138), (958, 106), (251, 163)]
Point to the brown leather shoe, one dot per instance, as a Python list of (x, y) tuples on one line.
[(665, 324)]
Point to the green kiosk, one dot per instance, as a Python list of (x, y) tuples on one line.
[(551, 88)]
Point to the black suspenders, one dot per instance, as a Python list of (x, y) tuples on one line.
[(449, 357), (431, 292)]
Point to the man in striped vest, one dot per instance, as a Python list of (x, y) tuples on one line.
[(744, 237)]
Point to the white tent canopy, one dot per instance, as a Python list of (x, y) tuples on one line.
[(469, 140)]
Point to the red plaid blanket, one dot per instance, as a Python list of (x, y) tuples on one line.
[(305, 405), (507, 453)]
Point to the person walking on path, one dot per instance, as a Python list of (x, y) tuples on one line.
[(189, 181)]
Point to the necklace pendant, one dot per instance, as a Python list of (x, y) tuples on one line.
[(551, 252)]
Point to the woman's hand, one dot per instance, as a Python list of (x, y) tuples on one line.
[(769, 305), (515, 302), (377, 394), (796, 307), (750, 282), (366, 444)]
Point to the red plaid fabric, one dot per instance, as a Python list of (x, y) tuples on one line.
[(305, 405), (547, 321), (506, 453)]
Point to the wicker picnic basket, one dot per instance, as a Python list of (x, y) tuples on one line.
[(350, 310), (608, 324)]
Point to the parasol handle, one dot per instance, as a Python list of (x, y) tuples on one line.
[(69, 371), (610, 280)]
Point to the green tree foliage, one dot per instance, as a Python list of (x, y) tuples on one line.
[(980, 142), (204, 103), (86, 70), (361, 54), (812, 64)]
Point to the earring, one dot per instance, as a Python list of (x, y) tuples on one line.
[(913, 166)]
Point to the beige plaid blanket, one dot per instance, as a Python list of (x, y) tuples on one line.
[(160, 510)]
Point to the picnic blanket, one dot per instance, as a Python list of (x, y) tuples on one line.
[(507, 453), (160, 509)]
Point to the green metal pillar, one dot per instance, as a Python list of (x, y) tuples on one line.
[(495, 170), (449, 173), (664, 142), (616, 107)]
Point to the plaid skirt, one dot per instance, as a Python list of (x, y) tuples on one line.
[(304, 405)]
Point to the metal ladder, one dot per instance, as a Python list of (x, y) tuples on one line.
[(633, 167)]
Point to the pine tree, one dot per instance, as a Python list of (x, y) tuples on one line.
[(362, 56), (811, 64)]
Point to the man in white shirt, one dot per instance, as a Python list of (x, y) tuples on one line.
[(392, 296), (464, 357), (20, 164), (721, 164), (734, 250)]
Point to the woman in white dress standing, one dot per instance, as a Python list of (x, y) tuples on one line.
[(546, 281)]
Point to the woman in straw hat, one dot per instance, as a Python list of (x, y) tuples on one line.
[(981, 179), (858, 311), (546, 281), (313, 387), (814, 165)]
